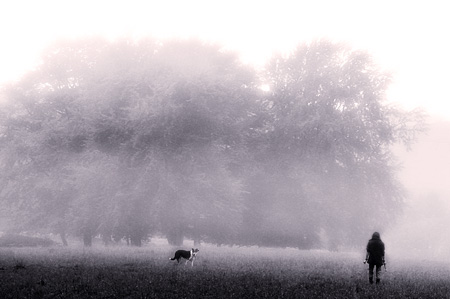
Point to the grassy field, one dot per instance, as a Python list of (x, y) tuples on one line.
[(219, 272)]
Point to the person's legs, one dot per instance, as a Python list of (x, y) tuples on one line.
[(378, 273), (371, 273)]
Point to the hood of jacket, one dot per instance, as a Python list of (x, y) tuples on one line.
[(376, 236)]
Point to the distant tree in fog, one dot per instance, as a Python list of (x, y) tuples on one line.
[(35, 154), (141, 133), (329, 133)]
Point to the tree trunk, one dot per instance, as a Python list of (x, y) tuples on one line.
[(87, 239), (136, 239), (197, 241), (106, 239), (61, 230), (175, 238), (62, 234)]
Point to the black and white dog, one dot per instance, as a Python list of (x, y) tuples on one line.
[(188, 255)]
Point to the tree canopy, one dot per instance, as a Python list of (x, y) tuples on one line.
[(132, 139)]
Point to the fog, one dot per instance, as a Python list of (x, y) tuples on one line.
[(421, 232), (225, 154)]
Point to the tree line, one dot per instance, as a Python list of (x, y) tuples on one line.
[(130, 139)]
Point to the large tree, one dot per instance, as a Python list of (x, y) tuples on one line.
[(141, 130), (328, 133)]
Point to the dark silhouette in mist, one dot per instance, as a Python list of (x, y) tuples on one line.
[(375, 256)]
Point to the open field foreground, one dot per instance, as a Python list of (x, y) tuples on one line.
[(219, 272)]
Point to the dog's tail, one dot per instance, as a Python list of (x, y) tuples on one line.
[(172, 259)]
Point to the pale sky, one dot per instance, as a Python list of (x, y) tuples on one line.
[(408, 38)]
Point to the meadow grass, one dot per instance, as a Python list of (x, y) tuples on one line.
[(219, 272)]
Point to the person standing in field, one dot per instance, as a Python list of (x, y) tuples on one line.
[(375, 256)]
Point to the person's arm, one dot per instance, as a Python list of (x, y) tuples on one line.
[(367, 254), (367, 257)]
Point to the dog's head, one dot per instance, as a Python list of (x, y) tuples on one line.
[(195, 251)]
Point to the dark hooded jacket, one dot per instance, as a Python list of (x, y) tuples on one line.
[(375, 250)]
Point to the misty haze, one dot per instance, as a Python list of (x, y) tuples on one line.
[(178, 139), (117, 153)]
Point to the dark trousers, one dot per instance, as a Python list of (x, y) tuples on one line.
[(377, 272)]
